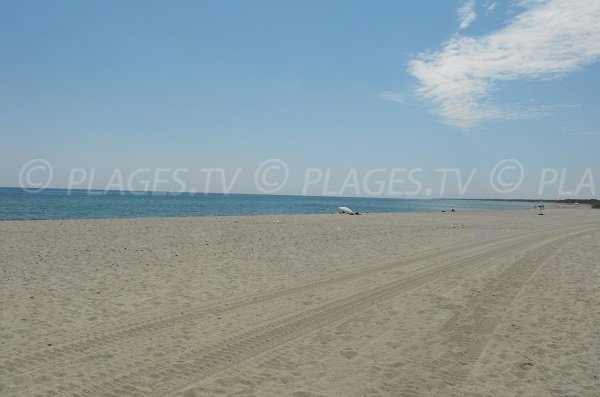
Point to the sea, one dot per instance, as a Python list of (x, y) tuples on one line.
[(18, 204)]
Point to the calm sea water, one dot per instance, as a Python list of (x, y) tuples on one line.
[(16, 204)]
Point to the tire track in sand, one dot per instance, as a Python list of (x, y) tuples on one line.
[(197, 364), (155, 328), (461, 340), (26, 362)]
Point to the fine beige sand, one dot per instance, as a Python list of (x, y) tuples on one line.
[(438, 304)]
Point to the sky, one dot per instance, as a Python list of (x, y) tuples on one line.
[(341, 87)]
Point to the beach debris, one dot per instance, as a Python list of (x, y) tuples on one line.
[(526, 365)]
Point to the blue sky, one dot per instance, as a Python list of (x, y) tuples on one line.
[(326, 84)]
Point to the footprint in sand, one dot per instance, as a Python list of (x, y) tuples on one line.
[(349, 354)]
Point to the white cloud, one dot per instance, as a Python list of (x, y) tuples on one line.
[(466, 14), (547, 40), (490, 8), (393, 96), (585, 132)]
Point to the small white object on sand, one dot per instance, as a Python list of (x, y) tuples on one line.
[(346, 210)]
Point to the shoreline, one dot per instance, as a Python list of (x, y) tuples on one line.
[(462, 211)]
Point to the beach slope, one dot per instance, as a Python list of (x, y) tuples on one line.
[(482, 303)]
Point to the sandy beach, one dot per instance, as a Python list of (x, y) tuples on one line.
[(413, 304)]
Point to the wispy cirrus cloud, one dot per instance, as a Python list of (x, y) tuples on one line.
[(466, 14), (585, 132), (393, 97), (549, 39)]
